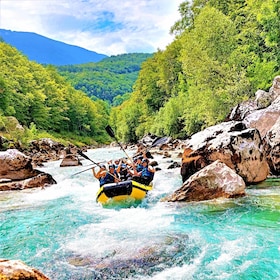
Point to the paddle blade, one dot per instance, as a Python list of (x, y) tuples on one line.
[(149, 155), (83, 155), (110, 131)]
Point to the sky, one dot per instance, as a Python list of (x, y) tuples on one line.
[(108, 27)]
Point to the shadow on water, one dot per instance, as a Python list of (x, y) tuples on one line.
[(269, 182)]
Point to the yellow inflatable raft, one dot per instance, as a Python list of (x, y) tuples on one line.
[(122, 191)]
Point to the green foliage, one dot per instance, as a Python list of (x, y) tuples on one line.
[(186, 20), (119, 99), (223, 53), (123, 125), (207, 63), (169, 119), (108, 79), (39, 98)]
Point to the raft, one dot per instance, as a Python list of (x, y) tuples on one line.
[(122, 191)]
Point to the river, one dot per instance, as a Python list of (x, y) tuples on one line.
[(64, 233)]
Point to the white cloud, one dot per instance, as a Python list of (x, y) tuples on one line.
[(109, 26)]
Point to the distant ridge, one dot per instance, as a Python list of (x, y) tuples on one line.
[(48, 51)]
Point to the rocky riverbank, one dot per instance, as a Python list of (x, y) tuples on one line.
[(248, 142)]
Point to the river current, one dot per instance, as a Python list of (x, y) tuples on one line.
[(64, 233)]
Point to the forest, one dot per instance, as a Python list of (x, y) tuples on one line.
[(45, 104), (111, 79), (223, 52)]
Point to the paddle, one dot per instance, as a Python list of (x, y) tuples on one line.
[(111, 133), (96, 163), (81, 171), (157, 141), (86, 157)]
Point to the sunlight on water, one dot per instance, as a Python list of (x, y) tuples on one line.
[(63, 232)]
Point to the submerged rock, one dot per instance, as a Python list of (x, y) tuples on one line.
[(146, 260)]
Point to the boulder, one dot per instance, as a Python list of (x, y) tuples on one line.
[(44, 150), (191, 163), (39, 181), (70, 160), (151, 141), (275, 89), (164, 147), (272, 148), (3, 142), (15, 165), (147, 140), (264, 119), (242, 110), (173, 165), (214, 181), (12, 124), (16, 172), (262, 112), (15, 269), (230, 142), (263, 99)]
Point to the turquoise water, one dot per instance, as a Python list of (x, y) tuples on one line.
[(64, 233)]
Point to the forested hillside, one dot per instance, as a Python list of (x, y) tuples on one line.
[(41, 100), (223, 53), (111, 79)]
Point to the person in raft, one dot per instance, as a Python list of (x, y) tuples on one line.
[(101, 172), (122, 170), (146, 175), (106, 177)]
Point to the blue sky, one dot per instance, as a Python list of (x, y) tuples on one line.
[(106, 26)]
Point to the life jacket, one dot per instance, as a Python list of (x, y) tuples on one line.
[(123, 173), (139, 167), (108, 178), (147, 173)]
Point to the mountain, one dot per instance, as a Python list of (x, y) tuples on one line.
[(111, 79), (48, 51)]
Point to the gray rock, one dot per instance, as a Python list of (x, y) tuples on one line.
[(239, 148)]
